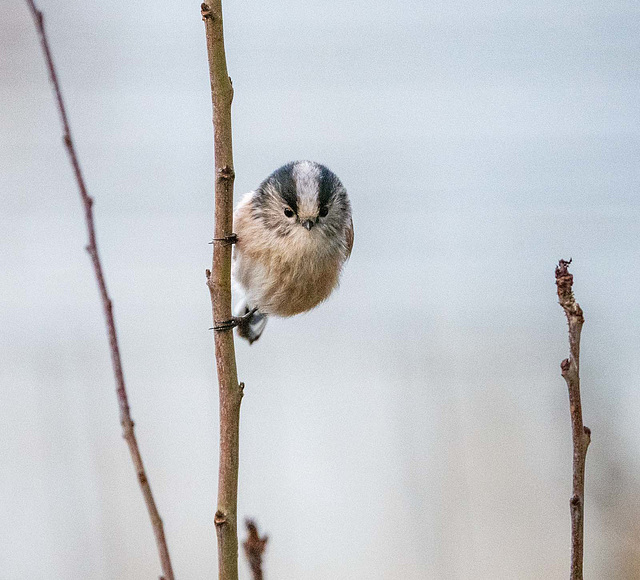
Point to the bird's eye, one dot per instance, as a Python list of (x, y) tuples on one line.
[(288, 212), (323, 211)]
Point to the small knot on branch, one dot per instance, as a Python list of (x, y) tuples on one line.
[(575, 502), (220, 519), (227, 173), (126, 422), (206, 12), (254, 547), (586, 439), (142, 478)]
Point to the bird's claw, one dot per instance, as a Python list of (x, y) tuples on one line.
[(230, 239), (233, 321), (226, 324)]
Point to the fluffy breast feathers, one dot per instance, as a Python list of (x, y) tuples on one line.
[(285, 275)]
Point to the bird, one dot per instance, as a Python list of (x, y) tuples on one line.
[(293, 235)]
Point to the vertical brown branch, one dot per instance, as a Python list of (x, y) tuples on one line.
[(581, 435), (92, 248), (219, 282), (254, 547)]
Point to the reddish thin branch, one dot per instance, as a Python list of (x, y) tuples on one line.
[(92, 248), (581, 435), (254, 547), (219, 282)]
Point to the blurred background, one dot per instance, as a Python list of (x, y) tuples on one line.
[(414, 426)]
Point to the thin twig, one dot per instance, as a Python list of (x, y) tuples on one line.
[(581, 435), (254, 547), (219, 282), (92, 248)]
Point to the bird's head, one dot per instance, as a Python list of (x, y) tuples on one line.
[(303, 198)]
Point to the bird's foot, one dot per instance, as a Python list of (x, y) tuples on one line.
[(230, 239), (233, 321)]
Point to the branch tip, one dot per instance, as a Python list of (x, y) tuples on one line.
[(254, 547), (562, 269)]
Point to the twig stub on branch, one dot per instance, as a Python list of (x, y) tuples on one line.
[(254, 547)]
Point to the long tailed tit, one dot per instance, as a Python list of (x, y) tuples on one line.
[(294, 234)]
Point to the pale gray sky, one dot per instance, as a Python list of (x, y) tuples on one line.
[(416, 425)]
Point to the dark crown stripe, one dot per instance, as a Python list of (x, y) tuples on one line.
[(282, 181), (328, 185)]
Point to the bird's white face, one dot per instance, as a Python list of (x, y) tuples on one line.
[(307, 178), (303, 199)]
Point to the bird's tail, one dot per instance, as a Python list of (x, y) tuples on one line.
[(252, 326)]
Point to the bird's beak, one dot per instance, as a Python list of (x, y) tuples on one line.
[(308, 224)]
